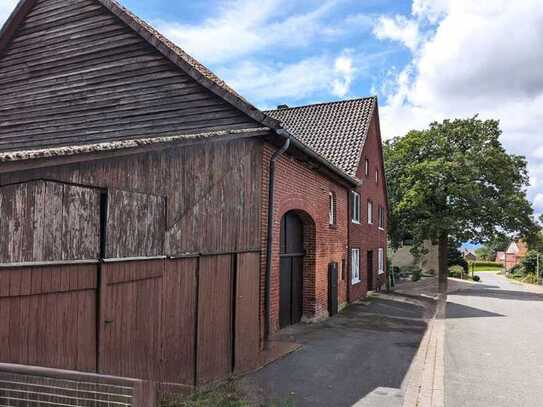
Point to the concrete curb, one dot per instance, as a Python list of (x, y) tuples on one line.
[(425, 381)]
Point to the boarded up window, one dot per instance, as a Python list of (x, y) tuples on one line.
[(135, 225), (48, 221)]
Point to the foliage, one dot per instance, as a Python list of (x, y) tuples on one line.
[(224, 396), (484, 253), (457, 272), (476, 278), (455, 257), (529, 263), (416, 274), (517, 269), (455, 180)]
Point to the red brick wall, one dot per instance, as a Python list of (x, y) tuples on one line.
[(364, 236), (297, 187)]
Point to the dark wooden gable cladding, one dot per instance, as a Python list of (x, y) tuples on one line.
[(74, 73)]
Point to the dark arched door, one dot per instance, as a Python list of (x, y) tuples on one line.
[(291, 273)]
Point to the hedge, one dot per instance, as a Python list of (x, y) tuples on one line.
[(492, 264)]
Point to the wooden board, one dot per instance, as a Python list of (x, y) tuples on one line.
[(48, 221), (247, 335), (49, 316), (214, 358), (179, 321), (130, 319), (136, 224)]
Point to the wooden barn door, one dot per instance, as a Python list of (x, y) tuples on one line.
[(130, 319), (291, 270)]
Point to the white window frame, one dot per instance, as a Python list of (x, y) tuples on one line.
[(355, 199), (381, 218), (355, 266), (331, 209), (370, 213), (381, 261)]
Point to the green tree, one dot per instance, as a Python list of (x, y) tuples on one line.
[(455, 181), (529, 262), (484, 253)]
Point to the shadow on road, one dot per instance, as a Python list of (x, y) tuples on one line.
[(463, 311), (501, 294)]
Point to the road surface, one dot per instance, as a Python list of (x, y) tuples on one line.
[(494, 345)]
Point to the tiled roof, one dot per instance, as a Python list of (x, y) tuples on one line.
[(337, 130)]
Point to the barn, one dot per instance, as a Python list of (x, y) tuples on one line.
[(156, 229)]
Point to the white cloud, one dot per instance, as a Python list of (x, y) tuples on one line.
[(6, 7), (243, 27), (398, 28), (471, 57), (274, 81), (538, 202)]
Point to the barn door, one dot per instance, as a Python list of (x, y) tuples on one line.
[(130, 319), (291, 270)]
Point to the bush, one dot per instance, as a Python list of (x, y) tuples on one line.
[(517, 270), (487, 264), (530, 261), (416, 274), (476, 278), (456, 271)]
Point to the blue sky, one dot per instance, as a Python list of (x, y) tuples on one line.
[(425, 59)]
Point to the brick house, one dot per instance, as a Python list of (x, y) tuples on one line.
[(135, 196)]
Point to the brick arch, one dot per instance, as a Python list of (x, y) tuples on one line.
[(305, 212)]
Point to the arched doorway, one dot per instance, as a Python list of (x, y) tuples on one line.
[(291, 270)]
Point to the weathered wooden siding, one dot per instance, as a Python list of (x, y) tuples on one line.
[(48, 316), (47, 221), (90, 78), (212, 192), (136, 224)]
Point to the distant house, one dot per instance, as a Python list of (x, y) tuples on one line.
[(500, 258), (514, 254), (469, 255)]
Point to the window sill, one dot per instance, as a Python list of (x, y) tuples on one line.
[(355, 282), (355, 222), (332, 226), (383, 229), (381, 272)]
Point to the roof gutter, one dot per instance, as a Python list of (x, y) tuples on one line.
[(316, 157)]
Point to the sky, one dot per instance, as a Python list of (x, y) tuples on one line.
[(426, 60)]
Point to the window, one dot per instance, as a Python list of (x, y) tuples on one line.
[(370, 213), (332, 208), (367, 167), (381, 261), (381, 217), (355, 278), (356, 207), (376, 176)]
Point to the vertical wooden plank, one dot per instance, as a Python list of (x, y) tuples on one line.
[(178, 321), (214, 360), (247, 344)]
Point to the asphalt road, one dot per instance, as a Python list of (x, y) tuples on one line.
[(494, 345)]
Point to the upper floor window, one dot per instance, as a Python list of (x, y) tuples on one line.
[(355, 266), (381, 217), (366, 167), (332, 208), (370, 212), (356, 207), (376, 176)]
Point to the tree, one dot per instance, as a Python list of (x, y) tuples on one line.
[(456, 181), (529, 262), (484, 253), (455, 256)]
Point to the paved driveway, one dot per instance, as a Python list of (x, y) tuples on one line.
[(494, 345), (362, 353)]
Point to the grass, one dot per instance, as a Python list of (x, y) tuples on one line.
[(225, 395)]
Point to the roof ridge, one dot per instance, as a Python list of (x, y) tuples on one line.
[(323, 103)]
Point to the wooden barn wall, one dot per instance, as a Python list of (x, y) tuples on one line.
[(90, 78), (47, 221), (48, 316), (211, 192)]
